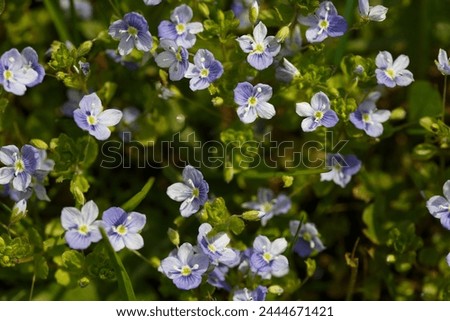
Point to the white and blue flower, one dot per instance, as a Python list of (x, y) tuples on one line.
[(368, 118), (205, 70), (252, 101), (392, 73), (342, 168), (318, 113)]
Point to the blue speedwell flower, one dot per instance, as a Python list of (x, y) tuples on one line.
[(325, 22), (193, 192), (152, 2), (217, 277), (215, 247), (268, 205), (266, 259), (20, 166), (261, 49), (123, 228), (19, 71), (368, 118), (375, 13), (439, 206), (342, 168), (393, 73), (132, 31), (287, 72), (185, 267), (180, 29), (252, 101), (173, 57), (258, 294), (92, 118), (308, 242), (443, 63), (318, 113), (204, 71), (81, 227)]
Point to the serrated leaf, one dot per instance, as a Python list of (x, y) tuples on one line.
[(134, 202), (73, 260)]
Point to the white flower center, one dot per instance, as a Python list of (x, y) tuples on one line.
[(19, 166), (91, 120), (180, 28), (83, 229), (267, 257), (204, 73), (252, 101), (390, 73), (367, 118), (121, 229), (8, 74)]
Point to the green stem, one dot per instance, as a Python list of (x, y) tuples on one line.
[(444, 96), (353, 273), (348, 14), (143, 258), (57, 17), (33, 281)]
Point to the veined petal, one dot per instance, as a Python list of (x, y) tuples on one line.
[(384, 60), (404, 78), (135, 222), (337, 26), (133, 241), (265, 195), (189, 282), (242, 92), (280, 266), (189, 207), (261, 243), (262, 91), (110, 117), (6, 175), (383, 79), (91, 103), (194, 27), (7, 154), (246, 43), (363, 6), (165, 59), (278, 246), (144, 41), (76, 240), (381, 115), (259, 61), (190, 173), (260, 32), (101, 132), (446, 189), (182, 14), (126, 45), (166, 30), (374, 130), (265, 110), (400, 63), (22, 181), (185, 253), (71, 218), (309, 124), (437, 206), (247, 114), (170, 266), (15, 87), (80, 119), (114, 216), (26, 76), (442, 57), (30, 158), (310, 21), (320, 101), (89, 212), (179, 192), (329, 118)]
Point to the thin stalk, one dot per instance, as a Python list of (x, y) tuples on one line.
[(33, 281), (444, 96), (57, 18), (353, 273)]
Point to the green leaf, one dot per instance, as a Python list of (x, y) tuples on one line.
[(78, 186), (134, 202), (215, 212), (62, 277), (236, 224), (423, 100), (89, 151), (425, 151), (125, 285), (73, 260), (41, 267), (310, 267)]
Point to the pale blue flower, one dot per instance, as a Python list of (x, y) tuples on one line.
[(241, 10), (259, 294), (193, 192), (30, 61), (373, 13), (132, 31), (392, 73), (268, 205), (215, 247), (342, 168), (20, 166), (185, 267), (267, 260), (368, 118), (443, 63), (123, 228), (204, 71), (261, 49), (92, 118), (293, 43), (318, 113), (15, 73), (308, 242), (173, 57), (180, 29), (217, 277), (81, 227), (325, 22), (252, 101), (287, 72), (439, 206), (152, 2)]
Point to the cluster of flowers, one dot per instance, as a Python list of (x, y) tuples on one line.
[(24, 173), (212, 256), (83, 228)]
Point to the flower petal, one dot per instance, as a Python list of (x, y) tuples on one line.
[(265, 110), (101, 132), (135, 222), (261, 243), (179, 192), (384, 60), (133, 241), (304, 109), (89, 212), (242, 92), (110, 117), (260, 32), (320, 101)]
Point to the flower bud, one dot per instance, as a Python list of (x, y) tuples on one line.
[(276, 289), (251, 215), (19, 211), (254, 12), (282, 34)]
